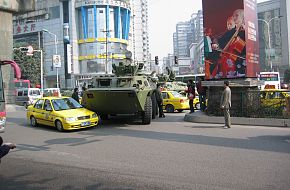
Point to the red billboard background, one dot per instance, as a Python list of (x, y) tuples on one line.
[(229, 52)]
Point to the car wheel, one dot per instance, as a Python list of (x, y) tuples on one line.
[(180, 111), (197, 106), (58, 125), (33, 121), (169, 108)]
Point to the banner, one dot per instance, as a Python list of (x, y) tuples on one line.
[(230, 33)]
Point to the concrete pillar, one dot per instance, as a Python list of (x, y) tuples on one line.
[(6, 50)]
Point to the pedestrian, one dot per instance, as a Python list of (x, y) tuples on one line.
[(226, 104), (201, 94), (75, 95), (5, 148), (159, 100), (190, 94)]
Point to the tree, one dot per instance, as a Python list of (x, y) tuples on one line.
[(29, 65), (287, 76)]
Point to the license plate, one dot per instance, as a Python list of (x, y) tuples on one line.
[(85, 123)]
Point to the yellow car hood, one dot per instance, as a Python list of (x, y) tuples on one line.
[(75, 112)]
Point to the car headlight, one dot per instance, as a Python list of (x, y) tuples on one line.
[(94, 115), (70, 119)]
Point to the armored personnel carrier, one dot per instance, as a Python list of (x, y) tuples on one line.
[(126, 91)]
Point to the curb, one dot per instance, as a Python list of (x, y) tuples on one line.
[(13, 107), (200, 117)]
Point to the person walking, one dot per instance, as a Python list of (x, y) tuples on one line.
[(5, 148), (159, 100), (201, 94), (190, 94), (226, 104), (75, 95)]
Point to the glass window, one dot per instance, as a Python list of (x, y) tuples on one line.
[(54, 12), (38, 104), (176, 94), (25, 93), (34, 92), (47, 105), (20, 93), (65, 104)]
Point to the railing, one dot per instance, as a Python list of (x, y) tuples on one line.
[(249, 104)]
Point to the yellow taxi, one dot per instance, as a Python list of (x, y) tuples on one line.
[(274, 97), (173, 100), (63, 113)]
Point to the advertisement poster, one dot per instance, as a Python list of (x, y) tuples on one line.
[(230, 36)]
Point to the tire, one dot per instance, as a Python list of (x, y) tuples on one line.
[(197, 106), (58, 125), (154, 106), (33, 121), (147, 113), (180, 111), (169, 108)]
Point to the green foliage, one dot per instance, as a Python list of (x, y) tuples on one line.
[(287, 76), (29, 65)]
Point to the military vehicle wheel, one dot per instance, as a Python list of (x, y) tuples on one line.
[(154, 106), (147, 114), (180, 111), (169, 108)]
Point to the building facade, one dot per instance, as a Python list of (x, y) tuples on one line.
[(89, 36), (139, 41), (274, 19)]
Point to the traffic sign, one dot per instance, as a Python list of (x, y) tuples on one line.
[(56, 61)]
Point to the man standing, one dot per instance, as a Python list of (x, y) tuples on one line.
[(75, 95), (159, 100), (226, 104), (201, 94)]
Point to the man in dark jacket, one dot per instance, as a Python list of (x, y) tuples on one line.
[(5, 148), (159, 100), (75, 95)]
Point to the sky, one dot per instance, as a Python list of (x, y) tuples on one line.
[(163, 16)]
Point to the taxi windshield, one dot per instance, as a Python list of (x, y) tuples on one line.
[(176, 94), (65, 104)]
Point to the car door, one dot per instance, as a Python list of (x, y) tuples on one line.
[(37, 111), (48, 113), (166, 99)]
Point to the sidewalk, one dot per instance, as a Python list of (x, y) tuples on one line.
[(201, 117), (13, 107)]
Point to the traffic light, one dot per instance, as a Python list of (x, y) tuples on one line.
[(156, 60), (176, 60)]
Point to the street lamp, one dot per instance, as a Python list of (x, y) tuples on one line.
[(55, 43), (107, 34), (269, 36)]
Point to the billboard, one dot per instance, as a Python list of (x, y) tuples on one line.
[(231, 39)]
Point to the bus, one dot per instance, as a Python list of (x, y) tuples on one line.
[(2, 98), (21, 83), (271, 80), (185, 78)]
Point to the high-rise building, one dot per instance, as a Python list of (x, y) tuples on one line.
[(139, 41), (184, 37), (274, 25), (91, 36)]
